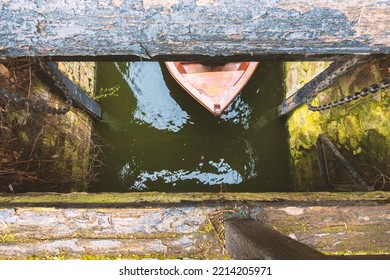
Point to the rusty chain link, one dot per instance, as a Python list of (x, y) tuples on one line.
[(364, 92), (347, 66), (38, 106)]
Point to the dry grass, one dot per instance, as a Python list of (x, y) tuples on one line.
[(38, 151)]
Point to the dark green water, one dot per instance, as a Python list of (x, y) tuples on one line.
[(157, 138)]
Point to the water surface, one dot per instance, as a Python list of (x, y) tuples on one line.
[(157, 138)]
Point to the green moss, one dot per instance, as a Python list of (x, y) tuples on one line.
[(355, 253), (184, 198), (352, 125), (347, 126), (206, 228), (199, 256), (7, 238), (23, 136), (89, 234)]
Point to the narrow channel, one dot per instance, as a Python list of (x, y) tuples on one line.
[(157, 138)]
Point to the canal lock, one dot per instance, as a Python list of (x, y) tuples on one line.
[(359, 130)]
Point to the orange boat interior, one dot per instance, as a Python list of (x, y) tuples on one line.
[(212, 80), (214, 85)]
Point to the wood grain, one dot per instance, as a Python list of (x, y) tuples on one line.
[(251, 29)]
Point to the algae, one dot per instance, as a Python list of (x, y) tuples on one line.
[(47, 198), (7, 237), (199, 256), (360, 129)]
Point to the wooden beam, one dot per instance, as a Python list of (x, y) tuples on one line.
[(333, 223), (324, 172), (149, 29), (323, 140), (250, 240), (78, 95), (106, 199)]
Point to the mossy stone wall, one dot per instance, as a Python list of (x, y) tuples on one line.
[(82, 73), (360, 129), (44, 152)]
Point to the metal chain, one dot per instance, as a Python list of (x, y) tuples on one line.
[(32, 104), (38, 106), (364, 92), (344, 68)]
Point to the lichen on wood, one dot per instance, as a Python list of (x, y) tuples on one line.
[(168, 229)]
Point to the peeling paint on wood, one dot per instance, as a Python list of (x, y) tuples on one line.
[(151, 29), (174, 232)]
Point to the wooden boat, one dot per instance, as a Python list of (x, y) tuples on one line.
[(213, 86)]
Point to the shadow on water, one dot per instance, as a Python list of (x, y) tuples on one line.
[(160, 139)]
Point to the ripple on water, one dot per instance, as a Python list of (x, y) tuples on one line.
[(155, 106)]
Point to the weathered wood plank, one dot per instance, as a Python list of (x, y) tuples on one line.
[(182, 229), (166, 232), (335, 230), (250, 240), (157, 29), (176, 247), (78, 199), (323, 140)]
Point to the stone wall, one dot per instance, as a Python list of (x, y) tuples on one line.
[(360, 129), (41, 151), (81, 73)]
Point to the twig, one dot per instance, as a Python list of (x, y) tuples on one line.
[(33, 147), (217, 235)]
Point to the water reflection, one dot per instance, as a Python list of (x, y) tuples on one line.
[(223, 174), (134, 176), (169, 142), (238, 112), (154, 104)]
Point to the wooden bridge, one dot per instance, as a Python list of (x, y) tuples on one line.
[(190, 29)]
